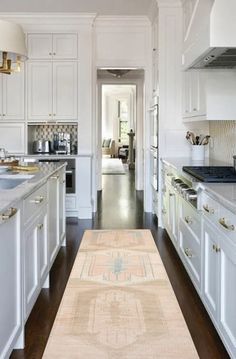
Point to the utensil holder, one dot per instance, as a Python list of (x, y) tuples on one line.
[(198, 153)]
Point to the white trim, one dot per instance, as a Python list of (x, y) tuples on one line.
[(126, 20), (45, 18)]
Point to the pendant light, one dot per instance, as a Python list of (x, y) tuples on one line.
[(12, 47)]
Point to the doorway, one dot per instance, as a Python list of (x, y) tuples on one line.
[(118, 119), (120, 110)]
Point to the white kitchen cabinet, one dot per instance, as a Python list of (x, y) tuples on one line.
[(53, 216), (43, 245), (39, 91), (64, 99), (62, 194), (35, 245), (12, 96), (12, 137), (210, 291), (10, 280), (52, 91), (36, 259), (31, 265), (190, 251), (219, 278), (56, 214), (52, 46), (194, 95), (227, 280)]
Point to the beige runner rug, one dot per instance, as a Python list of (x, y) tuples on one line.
[(118, 303)]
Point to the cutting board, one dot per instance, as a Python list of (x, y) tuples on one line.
[(9, 163)]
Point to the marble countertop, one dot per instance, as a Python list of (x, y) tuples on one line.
[(9, 197), (225, 193)]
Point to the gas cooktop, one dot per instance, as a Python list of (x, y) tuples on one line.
[(224, 174)]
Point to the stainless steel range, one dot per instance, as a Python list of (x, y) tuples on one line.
[(187, 192), (213, 174)]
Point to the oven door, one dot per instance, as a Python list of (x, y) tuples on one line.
[(154, 168), (70, 176), (154, 126)]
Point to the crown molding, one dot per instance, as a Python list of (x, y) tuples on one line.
[(107, 20), (48, 18)]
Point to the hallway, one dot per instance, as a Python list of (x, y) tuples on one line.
[(119, 206)]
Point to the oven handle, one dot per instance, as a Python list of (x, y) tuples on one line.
[(69, 172)]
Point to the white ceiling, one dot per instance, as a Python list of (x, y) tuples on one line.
[(101, 7)]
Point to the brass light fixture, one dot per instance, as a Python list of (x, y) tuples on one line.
[(12, 47)]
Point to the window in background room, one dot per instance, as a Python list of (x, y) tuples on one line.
[(123, 120)]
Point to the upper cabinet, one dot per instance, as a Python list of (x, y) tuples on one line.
[(194, 95), (155, 77), (209, 95), (52, 46), (52, 91), (52, 80), (12, 96)]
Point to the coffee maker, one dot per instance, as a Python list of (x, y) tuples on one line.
[(62, 143)]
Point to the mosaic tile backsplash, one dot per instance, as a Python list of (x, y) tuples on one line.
[(46, 132), (223, 134)]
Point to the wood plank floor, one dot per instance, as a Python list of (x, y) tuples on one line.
[(119, 206)]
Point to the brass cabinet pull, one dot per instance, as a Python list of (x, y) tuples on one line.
[(216, 248), (188, 252), (171, 194), (225, 225), (208, 209), (50, 114), (64, 181), (50, 53), (10, 213), (40, 226), (38, 200), (4, 114), (188, 220)]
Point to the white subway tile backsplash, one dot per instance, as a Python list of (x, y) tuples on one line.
[(223, 135)]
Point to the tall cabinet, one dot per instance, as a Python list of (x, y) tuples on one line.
[(52, 77)]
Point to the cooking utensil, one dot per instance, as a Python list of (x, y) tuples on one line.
[(205, 140)]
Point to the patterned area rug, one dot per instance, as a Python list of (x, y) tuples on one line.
[(118, 303), (113, 166)]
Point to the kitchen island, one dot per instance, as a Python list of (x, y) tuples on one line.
[(32, 230)]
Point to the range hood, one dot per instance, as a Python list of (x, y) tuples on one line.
[(210, 41)]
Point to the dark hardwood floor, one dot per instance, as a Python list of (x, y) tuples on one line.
[(119, 206)]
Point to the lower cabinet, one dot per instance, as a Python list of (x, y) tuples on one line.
[(190, 252), (170, 216), (56, 214), (35, 259), (10, 280), (62, 208), (219, 296)]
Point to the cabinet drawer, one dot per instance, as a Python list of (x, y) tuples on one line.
[(34, 202), (209, 207), (190, 251), (70, 202), (226, 221), (191, 218)]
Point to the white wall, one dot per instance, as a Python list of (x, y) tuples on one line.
[(126, 42)]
